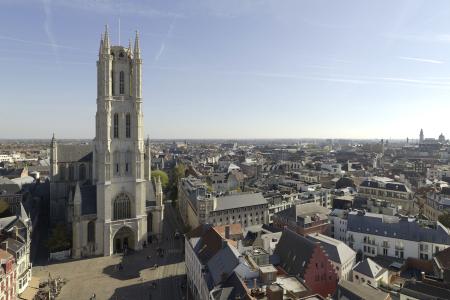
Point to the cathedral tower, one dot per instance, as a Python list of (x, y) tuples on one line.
[(122, 187)]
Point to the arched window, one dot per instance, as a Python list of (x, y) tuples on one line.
[(82, 172), (128, 126), (116, 161), (122, 207), (121, 82), (71, 173), (116, 125), (128, 162), (62, 172), (112, 83), (91, 232)]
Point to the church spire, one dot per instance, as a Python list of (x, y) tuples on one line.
[(137, 50), (106, 41), (100, 50)]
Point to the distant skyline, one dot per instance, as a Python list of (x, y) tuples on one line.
[(235, 69)]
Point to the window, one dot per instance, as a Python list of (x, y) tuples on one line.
[(62, 172), (128, 126), (91, 232), (116, 125), (112, 82), (121, 83), (71, 173), (82, 172), (122, 207)]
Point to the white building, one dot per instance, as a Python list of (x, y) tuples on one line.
[(369, 272), (401, 237)]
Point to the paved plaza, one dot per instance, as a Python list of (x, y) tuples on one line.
[(136, 280)]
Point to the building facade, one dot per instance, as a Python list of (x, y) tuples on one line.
[(112, 203)]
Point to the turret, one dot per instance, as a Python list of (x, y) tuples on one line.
[(158, 191), (148, 161), (106, 44), (137, 67), (53, 158), (137, 49)]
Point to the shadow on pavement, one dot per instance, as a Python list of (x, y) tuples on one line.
[(146, 290), (133, 263)]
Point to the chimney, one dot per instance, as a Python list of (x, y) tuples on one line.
[(227, 232), (4, 245)]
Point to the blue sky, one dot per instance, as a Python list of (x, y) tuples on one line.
[(235, 68)]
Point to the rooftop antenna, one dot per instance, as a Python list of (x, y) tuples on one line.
[(119, 30)]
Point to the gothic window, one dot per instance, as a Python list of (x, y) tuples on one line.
[(71, 173), (116, 125), (122, 207), (91, 232), (128, 126), (116, 158), (112, 82), (82, 172), (128, 162), (121, 83), (62, 172)]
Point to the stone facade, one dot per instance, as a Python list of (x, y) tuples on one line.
[(112, 203)]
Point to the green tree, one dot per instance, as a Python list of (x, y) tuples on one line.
[(59, 240), (164, 177), (445, 219), (179, 172)]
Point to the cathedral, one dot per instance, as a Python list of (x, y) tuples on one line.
[(103, 190)]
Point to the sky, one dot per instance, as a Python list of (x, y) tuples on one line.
[(233, 68)]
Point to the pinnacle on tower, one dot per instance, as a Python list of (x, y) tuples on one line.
[(137, 50), (106, 44), (147, 142), (100, 50)]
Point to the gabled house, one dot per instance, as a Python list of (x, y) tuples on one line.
[(308, 261)]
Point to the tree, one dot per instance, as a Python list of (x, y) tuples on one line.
[(163, 176), (445, 219), (59, 240), (179, 172)]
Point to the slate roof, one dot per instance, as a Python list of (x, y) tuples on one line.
[(337, 251), (394, 227), (222, 264), (240, 200), (14, 245), (443, 257), (369, 268), (347, 290), (294, 252), (9, 186), (73, 153), (88, 199), (424, 291), (209, 244)]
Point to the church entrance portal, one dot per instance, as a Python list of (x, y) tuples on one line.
[(124, 239)]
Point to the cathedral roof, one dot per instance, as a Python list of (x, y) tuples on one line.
[(74, 153)]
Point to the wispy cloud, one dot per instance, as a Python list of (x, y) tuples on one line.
[(438, 83), (422, 60), (48, 29), (420, 38), (166, 37)]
